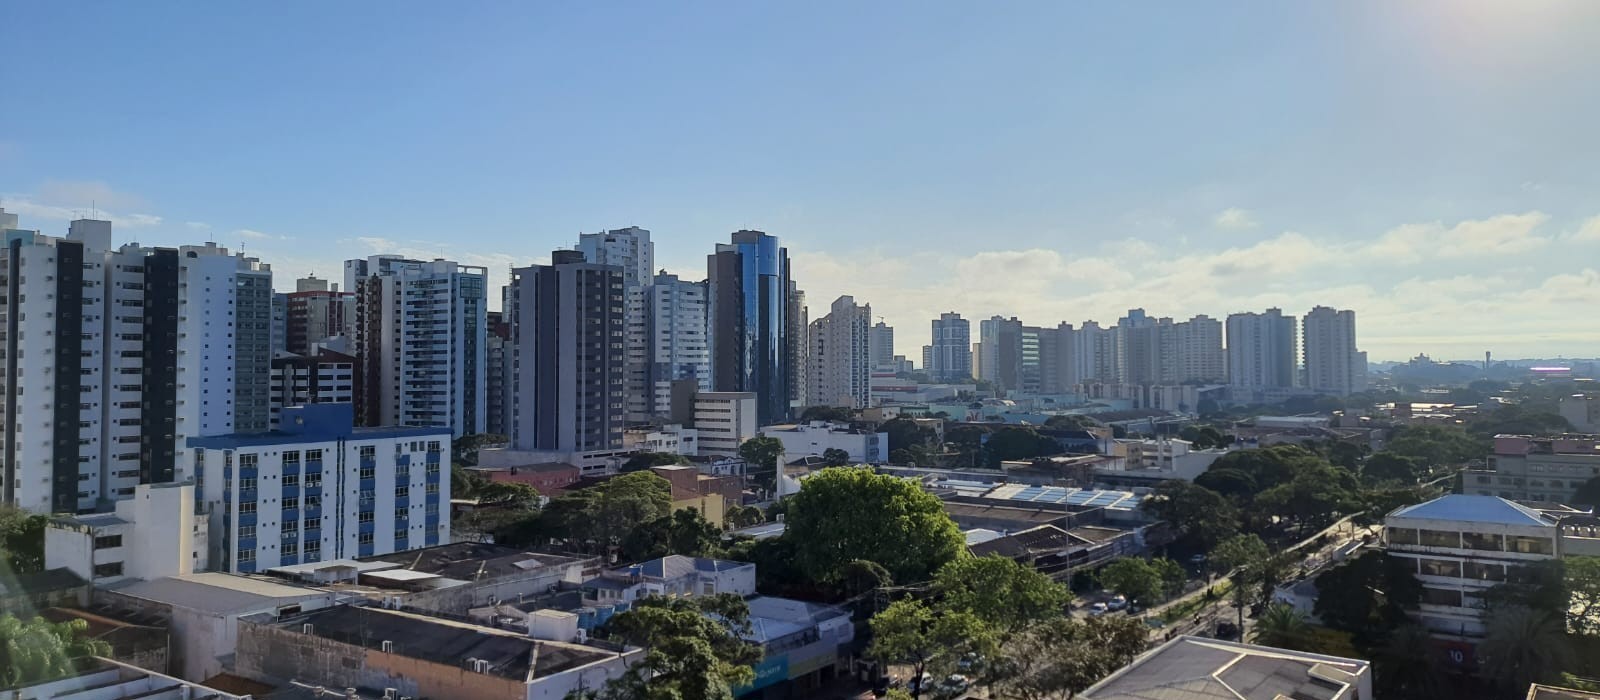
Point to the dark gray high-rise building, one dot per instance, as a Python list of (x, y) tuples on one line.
[(566, 326), (949, 357), (749, 306)]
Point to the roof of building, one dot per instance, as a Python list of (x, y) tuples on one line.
[(761, 531), (1044, 538), (537, 467), (218, 593), (676, 565), (1474, 509), (772, 617), (1084, 498), (1021, 513), (471, 561), (1549, 692), (979, 535), (1195, 668), (41, 582), (441, 641)]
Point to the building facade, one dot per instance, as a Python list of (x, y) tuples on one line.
[(631, 250), (314, 490), (153, 534), (880, 345), (750, 321), (949, 357), (313, 315), (675, 338), (1333, 365), (1261, 351), (420, 337), (1533, 468), (567, 325), (724, 420), (812, 439), (325, 376), (839, 356)]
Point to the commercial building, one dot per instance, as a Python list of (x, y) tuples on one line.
[(324, 376), (314, 313), (1582, 411), (676, 339), (1459, 546), (449, 579), (1533, 468), (153, 534), (880, 345), (420, 657), (709, 495), (1333, 365), (949, 357), (803, 440), (672, 576), (724, 420), (420, 335), (839, 356), (630, 250), (1196, 667), (1261, 352), (313, 490), (567, 328), (105, 679), (752, 336), (802, 643)]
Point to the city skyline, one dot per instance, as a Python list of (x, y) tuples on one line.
[(1406, 180)]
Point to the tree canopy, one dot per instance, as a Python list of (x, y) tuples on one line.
[(1062, 657), (844, 513), (910, 632), (1001, 592), (1134, 578), (1011, 443), (21, 540), (684, 532), (1367, 596), (38, 650), (1201, 516), (835, 457), (1389, 466), (762, 454), (693, 649), (1435, 445)]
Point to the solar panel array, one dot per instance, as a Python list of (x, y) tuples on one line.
[(1087, 498)]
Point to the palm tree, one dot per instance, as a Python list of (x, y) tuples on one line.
[(1284, 627), (38, 650), (1522, 646), (1407, 667)]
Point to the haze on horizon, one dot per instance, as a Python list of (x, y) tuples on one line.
[(1428, 164)]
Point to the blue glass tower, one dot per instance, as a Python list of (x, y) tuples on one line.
[(748, 308)]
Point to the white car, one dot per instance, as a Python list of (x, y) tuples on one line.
[(1117, 602), (1098, 609), (921, 683)]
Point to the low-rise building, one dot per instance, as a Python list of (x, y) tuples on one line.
[(105, 679), (549, 478), (710, 495), (1526, 467), (671, 576), (1200, 668), (21, 594), (724, 420), (202, 612), (313, 489), (152, 534), (1150, 462), (671, 439), (803, 643), (813, 439), (420, 657), (590, 463)]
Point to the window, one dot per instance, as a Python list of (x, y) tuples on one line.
[(433, 469), (367, 496), (1481, 541), (289, 549), (313, 501), (247, 555), (1530, 545), (247, 508), (109, 569), (400, 534), (364, 538), (433, 446), (402, 491), (247, 461), (247, 532), (313, 455), (1440, 596), (433, 489), (291, 457), (108, 541), (289, 528), (368, 451), (1440, 538), (368, 473), (313, 480), (291, 503), (1401, 535), (402, 513), (366, 516), (1479, 571), (432, 509), (314, 548), (291, 480), (247, 484), (1440, 567)]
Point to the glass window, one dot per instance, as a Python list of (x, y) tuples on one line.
[(1480, 541), (1480, 571), (109, 569), (108, 541), (247, 555), (1440, 567), (1440, 596), (1440, 538), (1530, 545), (1401, 535)]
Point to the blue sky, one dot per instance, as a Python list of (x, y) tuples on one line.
[(1429, 164)]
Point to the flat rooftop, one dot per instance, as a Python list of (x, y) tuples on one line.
[(218, 593), (470, 561), (1196, 668), (447, 642)]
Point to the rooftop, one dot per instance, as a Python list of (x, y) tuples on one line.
[(1195, 668), (470, 561), (40, 582), (1550, 692), (772, 618), (1474, 509), (314, 423), (447, 642), (218, 593), (676, 565)]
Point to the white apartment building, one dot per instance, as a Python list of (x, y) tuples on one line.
[(1094, 353), (1193, 351), (1462, 545), (840, 361), (812, 439), (880, 345), (420, 334), (224, 377), (153, 534), (676, 338), (630, 249), (724, 420), (323, 377), (669, 439), (1261, 352), (1332, 363), (319, 488)]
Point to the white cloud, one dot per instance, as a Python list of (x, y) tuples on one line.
[(1235, 219), (58, 200), (197, 225), (1506, 234), (1589, 231), (87, 194), (253, 235)]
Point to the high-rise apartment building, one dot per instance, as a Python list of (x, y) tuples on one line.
[(840, 355), (752, 346), (631, 250), (314, 314), (1000, 342), (567, 325), (420, 337), (497, 381), (1191, 351), (1332, 363), (799, 321), (949, 357), (1058, 365), (1137, 338), (325, 376), (880, 345), (1094, 355), (675, 338), (1261, 351)]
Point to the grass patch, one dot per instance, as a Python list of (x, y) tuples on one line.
[(1189, 607)]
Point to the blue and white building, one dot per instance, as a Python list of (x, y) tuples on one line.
[(318, 488)]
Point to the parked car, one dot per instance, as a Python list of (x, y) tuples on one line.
[(1117, 602), (954, 684), (1098, 609), (970, 661), (920, 684)]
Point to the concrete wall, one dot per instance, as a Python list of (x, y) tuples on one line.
[(460, 599)]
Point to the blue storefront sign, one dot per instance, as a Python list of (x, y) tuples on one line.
[(770, 671)]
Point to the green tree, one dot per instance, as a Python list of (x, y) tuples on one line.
[(1367, 596), (909, 632), (625, 502), (1388, 466), (835, 457), (1522, 646), (1013, 443), (762, 454), (38, 650), (694, 648), (1071, 421), (1314, 498), (1284, 627), (905, 434), (684, 532), (1236, 484), (828, 413), (1062, 657), (1583, 590), (1172, 576), (860, 576), (1004, 594), (745, 516), (1134, 578), (1250, 562), (641, 461), (847, 513), (498, 494), (21, 540), (465, 448), (1435, 445), (1407, 665), (1201, 516)]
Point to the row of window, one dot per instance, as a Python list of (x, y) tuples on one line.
[(1470, 540)]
